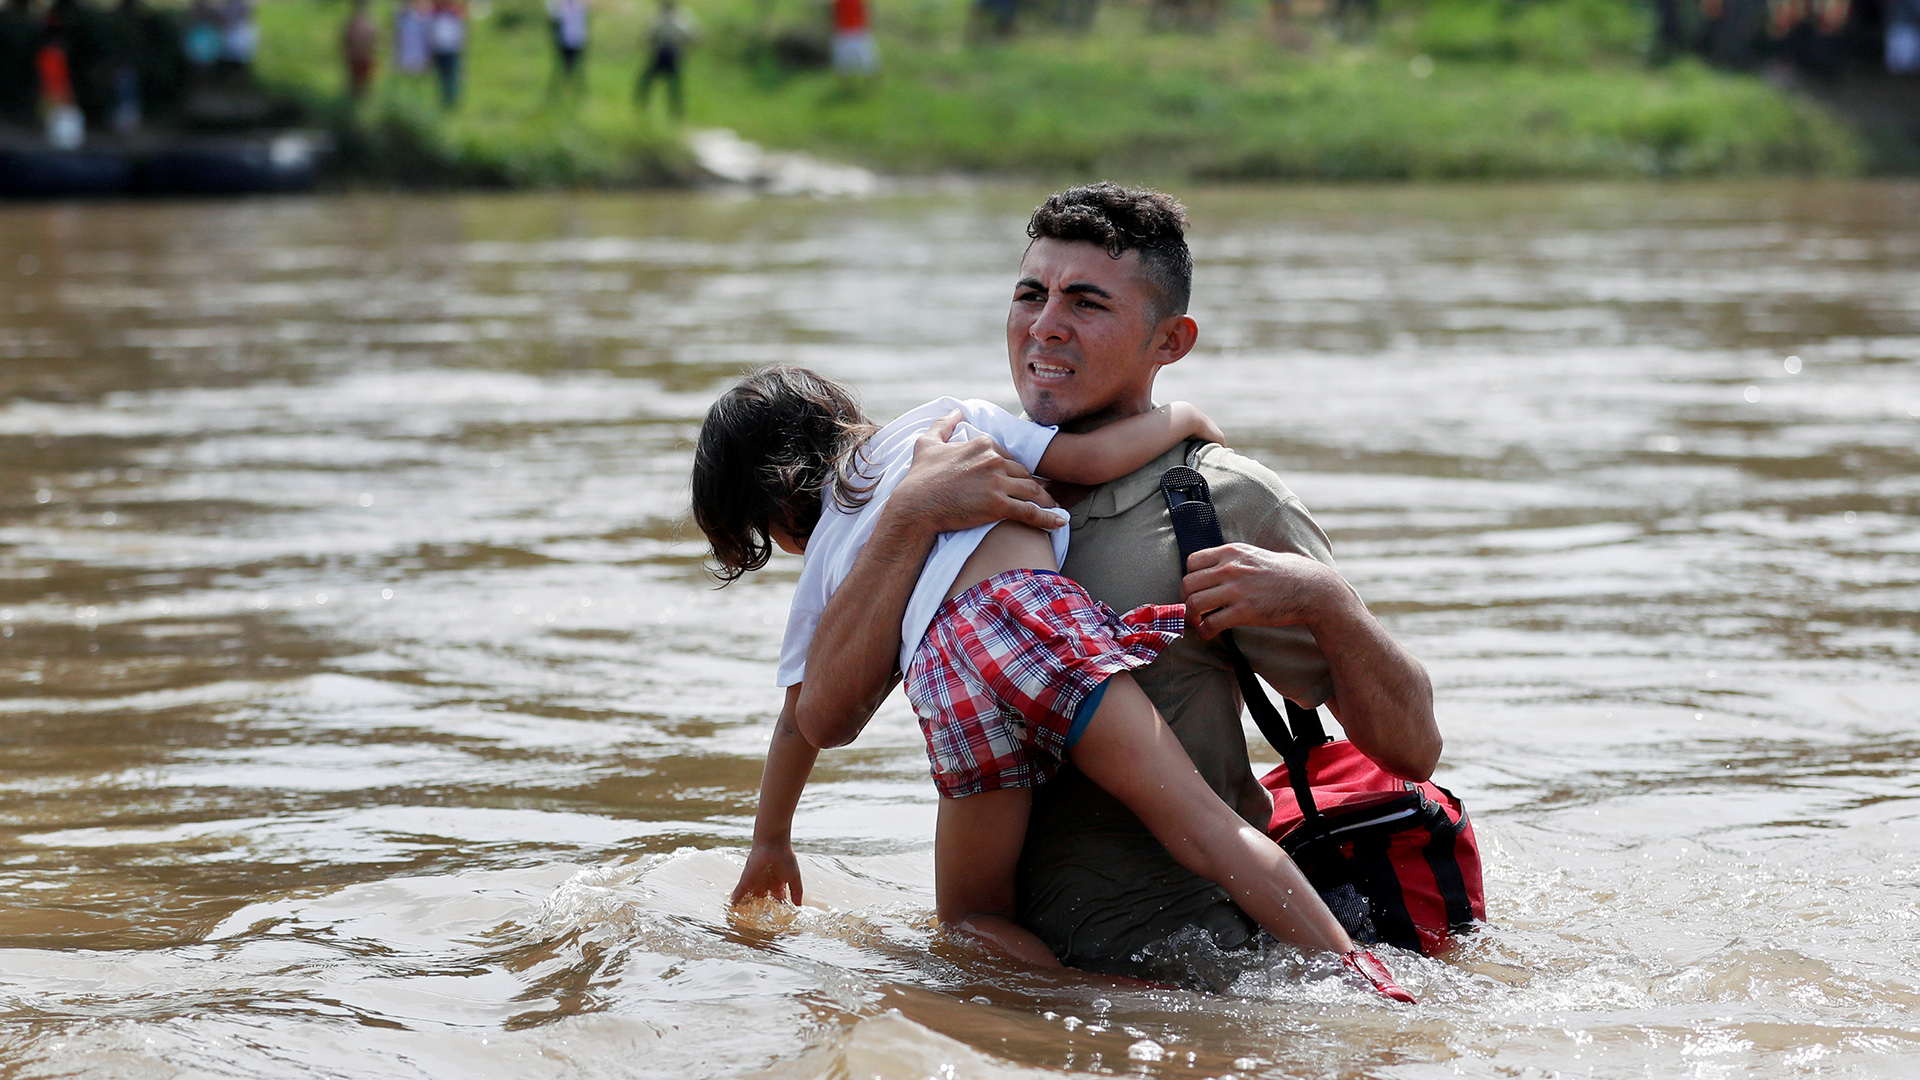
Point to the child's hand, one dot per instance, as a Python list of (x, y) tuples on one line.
[(772, 870), (1198, 425)]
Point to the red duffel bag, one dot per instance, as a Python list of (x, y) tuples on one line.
[(1395, 860)]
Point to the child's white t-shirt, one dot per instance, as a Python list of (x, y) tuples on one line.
[(841, 533)]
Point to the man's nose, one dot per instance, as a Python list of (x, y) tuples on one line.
[(1051, 325)]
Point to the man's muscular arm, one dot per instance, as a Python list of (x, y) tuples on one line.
[(951, 486), (1382, 695)]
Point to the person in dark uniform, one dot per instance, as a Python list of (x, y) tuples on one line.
[(76, 28), (123, 55), (162, 53), (672, 31), (19, 85)]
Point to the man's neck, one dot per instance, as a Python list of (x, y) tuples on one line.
[(1080, 425), (1070, 495)]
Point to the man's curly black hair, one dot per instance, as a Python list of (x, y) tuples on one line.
[(1123, 219)]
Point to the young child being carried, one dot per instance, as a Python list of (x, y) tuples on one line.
[(1012, 669)]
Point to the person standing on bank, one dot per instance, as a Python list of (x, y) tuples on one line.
[(19, 86), (568, 18), (412, 56), (239, 37), (359, 40), (1099, 308), (447, 38), (672, 31), (854, 52)]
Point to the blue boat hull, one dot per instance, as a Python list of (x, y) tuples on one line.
[(232, 166)]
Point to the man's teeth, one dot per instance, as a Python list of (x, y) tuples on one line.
[(1050, 371)]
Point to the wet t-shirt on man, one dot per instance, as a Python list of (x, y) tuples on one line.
[(1094, 884)]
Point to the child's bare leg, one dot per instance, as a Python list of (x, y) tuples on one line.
[(1128, 750), (976, 846)]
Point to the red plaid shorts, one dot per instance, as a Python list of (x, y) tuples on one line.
[(1005, 666)]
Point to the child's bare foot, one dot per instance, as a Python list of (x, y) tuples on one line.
[(1369, 967)]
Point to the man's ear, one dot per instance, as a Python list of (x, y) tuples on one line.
[(1174, 338)]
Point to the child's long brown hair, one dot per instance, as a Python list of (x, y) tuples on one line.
[(769, 448)]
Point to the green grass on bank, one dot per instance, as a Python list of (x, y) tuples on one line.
[(1438, 89)]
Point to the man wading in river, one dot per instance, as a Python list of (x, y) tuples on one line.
[(1099, 309)]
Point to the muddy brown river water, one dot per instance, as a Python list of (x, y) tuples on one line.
[(364, 711)]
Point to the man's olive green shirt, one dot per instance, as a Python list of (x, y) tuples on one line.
[(1093, 882)]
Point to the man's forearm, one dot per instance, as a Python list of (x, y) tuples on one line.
[(850, 663), (1382, 695)]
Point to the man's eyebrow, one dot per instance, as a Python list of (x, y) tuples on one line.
[(1081, 288)]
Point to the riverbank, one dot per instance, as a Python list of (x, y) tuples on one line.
[(1450, 89)]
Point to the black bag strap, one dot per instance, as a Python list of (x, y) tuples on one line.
[(1196, 527)]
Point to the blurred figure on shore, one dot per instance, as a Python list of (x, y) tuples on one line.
[(160, 57), (1669, 33), (359, 42), (1284, 23), (204, 38), (66, 128), (123, 48), (1806, 34), (19, 87), (568, 18), (1192, 16), (239, 36), (1903, 37), (87, 72), (853, 49), (1733, 30), (411, 54), (1075, 14), (993, 19), (1356, 18), (672, 32), (447, 37)]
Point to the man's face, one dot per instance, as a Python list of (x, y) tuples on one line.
[(1081, 335)]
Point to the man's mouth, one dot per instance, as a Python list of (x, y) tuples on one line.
[(1046, 372)]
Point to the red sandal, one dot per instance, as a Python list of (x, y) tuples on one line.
[(1369, 967)]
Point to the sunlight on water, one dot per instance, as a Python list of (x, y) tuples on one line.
[(369, 713)]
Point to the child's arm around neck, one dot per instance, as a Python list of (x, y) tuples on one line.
[(1111, 452)]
